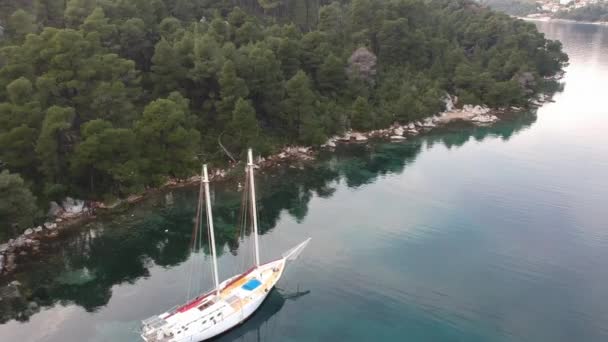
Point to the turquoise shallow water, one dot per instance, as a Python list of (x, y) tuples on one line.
[(468, 234)]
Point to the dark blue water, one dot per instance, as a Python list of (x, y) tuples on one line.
[(468, 234)]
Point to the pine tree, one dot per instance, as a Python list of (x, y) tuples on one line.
[(232, 88), (361, 118), (300, 110), (53, 144), (167, 142), (331, 76), (17, 205), (106, 157), (77, 11), (167, 70), (20, 24), (243, 127), (49, 12)]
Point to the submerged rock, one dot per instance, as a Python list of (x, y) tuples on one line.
[(32, 306), (76, 277), (397, 137)]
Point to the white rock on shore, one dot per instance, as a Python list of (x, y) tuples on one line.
[(428, 123), (73, 206), (449, 103), (358, 136), (345, 137), (397, 137), (484, 118), (54, 209)]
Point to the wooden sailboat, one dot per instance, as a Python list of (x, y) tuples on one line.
[(229, 302)]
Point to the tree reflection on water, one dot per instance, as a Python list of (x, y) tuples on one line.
[(82, 266)]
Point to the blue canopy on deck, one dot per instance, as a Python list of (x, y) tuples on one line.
[(251, 285)]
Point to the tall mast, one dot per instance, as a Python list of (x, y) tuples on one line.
[(211, 231), (254, 211)]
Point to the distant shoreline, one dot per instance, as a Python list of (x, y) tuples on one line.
[(547, 19)]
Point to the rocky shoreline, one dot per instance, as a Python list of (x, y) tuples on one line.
[(73, 212)]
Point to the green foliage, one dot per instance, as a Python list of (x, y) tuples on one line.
[(106, 97), (232, 88), (19, 90), (17, 205), (168, 145), (331, 76), (20, 24), (49, 12), (17, 148), (76, 12), (300, 114), (243, 129), (361, 115), (107, 158), (53, 142)]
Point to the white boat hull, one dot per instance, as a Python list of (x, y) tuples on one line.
[(210, 314), (228, 323), (216, 312)]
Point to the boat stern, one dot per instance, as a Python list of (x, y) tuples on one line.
[(154, 329)]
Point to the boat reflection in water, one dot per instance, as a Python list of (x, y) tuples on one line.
[(260, 327)]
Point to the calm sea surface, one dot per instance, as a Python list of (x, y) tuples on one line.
[(469, 234)]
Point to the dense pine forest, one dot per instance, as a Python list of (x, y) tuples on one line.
[(103, 98)]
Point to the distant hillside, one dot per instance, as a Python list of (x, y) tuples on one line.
[(592, 13), (512, 7)]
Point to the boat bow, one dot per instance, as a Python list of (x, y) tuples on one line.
[(295, 252)]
